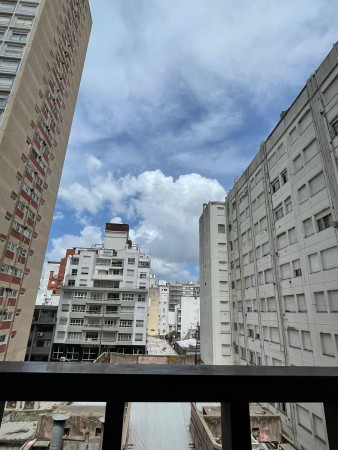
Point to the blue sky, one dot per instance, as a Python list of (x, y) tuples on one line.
[(175, 98)]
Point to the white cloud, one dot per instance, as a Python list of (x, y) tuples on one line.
[(116, 220), (58, 215), (163, 212), (88, 235)]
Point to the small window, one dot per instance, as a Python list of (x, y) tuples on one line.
[(297, 163), (284, 176), (221, 228), (279, 212), (275, 185), (323, 220), (288, 205)]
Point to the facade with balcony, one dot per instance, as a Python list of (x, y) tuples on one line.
[(104, 302), (282, 239)]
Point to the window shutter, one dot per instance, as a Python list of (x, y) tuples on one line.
[(320, 301), (330, 258), (314, 263), (333, 299), (317, 183)]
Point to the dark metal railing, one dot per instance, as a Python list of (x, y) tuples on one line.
[(233, 386)]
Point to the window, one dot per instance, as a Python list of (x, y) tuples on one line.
[(138, 337), (308, 227), (301, 302), (271, 304), (303, 194), (274, 334), (131, 260), (319, 427), (323, 220), (284, 176), (225, 327), (297, 163), (310, 151), (314, 263), (221, 228), (317, 183), (139, 323), (275, 185), (272, 160), (292, 235), (63, 321), (279, 212), (288, 205), (285, 271), (320, 301), (289, 303), (330, 258), (333, 300), (297, 271), (268, 276), (266, 248), (282, 241), (306, 340), (293, 336), (327, 344), (226, 351), (304, 418), (76, 322)]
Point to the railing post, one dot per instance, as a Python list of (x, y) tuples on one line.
[(236, 429), (331, 418), (113, 426)]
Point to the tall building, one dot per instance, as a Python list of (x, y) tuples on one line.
[(104, 301), (215, 333), (282, 232), (43, 45)]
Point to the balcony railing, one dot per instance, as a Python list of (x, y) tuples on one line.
[(233, 386)]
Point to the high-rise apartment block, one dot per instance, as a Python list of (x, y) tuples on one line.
[(282, 238), (104, 302), (43, 44), (215, 334)]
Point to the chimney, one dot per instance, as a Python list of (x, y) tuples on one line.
[(58, 431)]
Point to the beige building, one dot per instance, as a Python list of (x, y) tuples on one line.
[(153, 311), (283, 248), (43, 45)]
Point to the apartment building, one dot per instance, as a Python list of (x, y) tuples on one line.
[(215, 333), (104, 302), (43, 45), (282, 237)]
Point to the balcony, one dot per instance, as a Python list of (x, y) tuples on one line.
[(234, 386)]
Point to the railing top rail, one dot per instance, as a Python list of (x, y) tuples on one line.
[(199, 383)]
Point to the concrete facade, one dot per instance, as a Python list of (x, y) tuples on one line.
[(104, 302), (215, 330), (43, 45), (282, 232)]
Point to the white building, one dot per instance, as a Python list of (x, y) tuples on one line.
[(189, 311), (283, 249), (104, 305), (215, 331)]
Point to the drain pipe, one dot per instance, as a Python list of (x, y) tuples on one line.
[(58, 431), (101, 419)]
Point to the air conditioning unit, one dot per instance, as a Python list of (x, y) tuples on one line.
[(40, 334), (335, 224)]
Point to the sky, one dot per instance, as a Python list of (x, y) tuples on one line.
[(175, 98)]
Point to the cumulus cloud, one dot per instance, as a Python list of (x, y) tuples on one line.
[(87, 236), (163, 212), (175, 106)]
